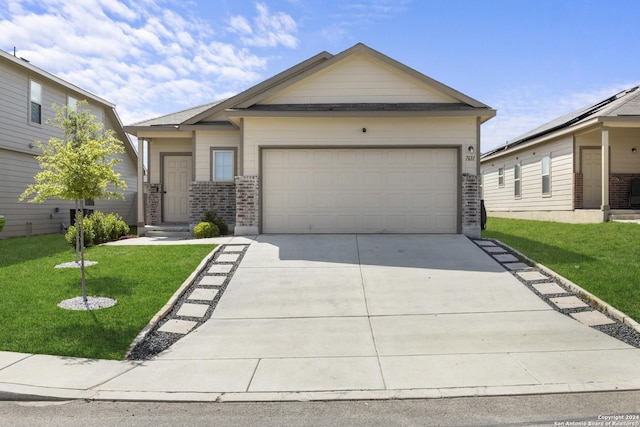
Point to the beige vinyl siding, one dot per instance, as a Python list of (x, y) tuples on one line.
[(206, 140), (348, 132), (358, 79), (160, 146), (532, 199)]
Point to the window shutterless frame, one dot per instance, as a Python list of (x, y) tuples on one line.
[(35, 102), (500, 177), (223, 164), (545, 163), (517, 180)]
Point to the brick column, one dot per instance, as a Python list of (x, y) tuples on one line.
[(153, 213), (247, 205), (212, 196), (578, 191), (471, 214)]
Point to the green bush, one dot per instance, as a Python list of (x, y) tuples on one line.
[(205, 230), (2, 220), (213, 217), (99, 228)]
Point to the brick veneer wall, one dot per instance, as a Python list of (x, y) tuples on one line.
[(471, 214), (578, 191), (209, 196), (247, 203), (153, 214), (619, 187)]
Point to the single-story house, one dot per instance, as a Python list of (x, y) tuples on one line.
[(26, 104), (349, 143), (577, 168)]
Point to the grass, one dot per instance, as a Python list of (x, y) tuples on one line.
[(602, 258), (140, 278)]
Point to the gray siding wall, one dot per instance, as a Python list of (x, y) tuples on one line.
[(18, 165)]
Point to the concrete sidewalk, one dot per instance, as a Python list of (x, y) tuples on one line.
[(350, 317)]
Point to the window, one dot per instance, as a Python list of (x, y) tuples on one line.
[(500, 177), (35, 94), (517, 192), (546, 177), (223, 162), (72, 103)]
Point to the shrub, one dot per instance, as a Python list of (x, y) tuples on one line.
[(213, 217), (2, 220), (205, 230), (99, 228)]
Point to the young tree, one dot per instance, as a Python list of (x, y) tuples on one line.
[(78, 167)]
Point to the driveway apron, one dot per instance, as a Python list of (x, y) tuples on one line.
[(327, 313)]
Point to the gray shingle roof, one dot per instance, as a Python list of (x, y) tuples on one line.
[(177, 117)]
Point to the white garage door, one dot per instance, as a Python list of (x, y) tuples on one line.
[(360, 190)]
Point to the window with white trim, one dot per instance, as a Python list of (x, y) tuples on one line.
[(222, 162), (35, 97), (500, 177), (517, 181), (546, 175)]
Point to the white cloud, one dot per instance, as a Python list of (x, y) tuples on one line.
[(269, 29), (145, 56)]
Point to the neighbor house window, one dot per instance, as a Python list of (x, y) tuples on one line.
[(72, 103), (35, 94), (500, 177), (517, 182), (546, 177), (223, 165)]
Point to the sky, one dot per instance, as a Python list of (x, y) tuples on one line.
[(531, 60)]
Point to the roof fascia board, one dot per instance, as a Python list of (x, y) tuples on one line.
[(485, 113), (362, 48), (620, 121), (55, 79), (261, 87), (418, 75), (582, 127)]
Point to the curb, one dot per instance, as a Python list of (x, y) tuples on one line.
[(600, 304)]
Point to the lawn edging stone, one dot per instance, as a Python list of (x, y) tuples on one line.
[(602, 305), (171, 302)]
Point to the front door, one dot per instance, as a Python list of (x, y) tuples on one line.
[(177, 175), (592, 178)]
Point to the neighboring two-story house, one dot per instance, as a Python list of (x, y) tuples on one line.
[(26, 104)]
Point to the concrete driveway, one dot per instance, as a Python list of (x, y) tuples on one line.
[(349, 316)]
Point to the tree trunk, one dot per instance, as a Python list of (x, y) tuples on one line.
[(80, 225), (77, 233)]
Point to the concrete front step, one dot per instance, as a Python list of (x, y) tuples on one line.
[(624, 217), (168, 230)]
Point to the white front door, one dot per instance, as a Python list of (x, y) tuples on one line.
[(177, 176), (592, 178)]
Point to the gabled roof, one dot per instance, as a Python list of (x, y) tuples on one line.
[(625, 103), (247, 100), (109, 107)]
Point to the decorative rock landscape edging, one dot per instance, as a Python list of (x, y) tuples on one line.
[(191, 305), (563, 295)]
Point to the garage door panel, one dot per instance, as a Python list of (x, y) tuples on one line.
[(369, 190)]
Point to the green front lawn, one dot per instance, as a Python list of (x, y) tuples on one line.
[(602, 258), (140, 278)]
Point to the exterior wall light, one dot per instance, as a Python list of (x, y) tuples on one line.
[(634, 150), (470, 149)]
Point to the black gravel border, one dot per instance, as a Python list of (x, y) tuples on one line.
[(616, 330), (156, 341)]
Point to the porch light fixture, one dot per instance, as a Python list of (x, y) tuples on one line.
[(634, 150), (471, 149)]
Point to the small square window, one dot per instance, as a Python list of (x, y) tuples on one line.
[(223, 165), (35, 96)]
